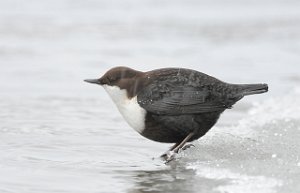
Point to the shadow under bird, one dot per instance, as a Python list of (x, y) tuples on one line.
[(172, 105)]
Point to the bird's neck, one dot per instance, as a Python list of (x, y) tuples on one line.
[(128, 107)]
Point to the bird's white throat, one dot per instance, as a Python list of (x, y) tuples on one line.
[(129, 108)]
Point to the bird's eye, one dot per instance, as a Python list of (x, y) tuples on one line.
[(111, 79)]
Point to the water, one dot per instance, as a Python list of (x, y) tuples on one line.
[(59, 134)]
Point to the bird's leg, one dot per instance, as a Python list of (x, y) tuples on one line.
[(186, 139), (165, 155), (174, 146), (171, 154)]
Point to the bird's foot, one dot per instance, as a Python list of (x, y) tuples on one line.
[(171, 155), (165, 156), (168, 156), (187, 146)]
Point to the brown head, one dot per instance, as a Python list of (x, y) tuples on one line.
[(122, 77)]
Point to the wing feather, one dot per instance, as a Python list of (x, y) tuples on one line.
[(165, 99)]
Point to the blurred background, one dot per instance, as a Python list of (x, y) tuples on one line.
[(59, 134)]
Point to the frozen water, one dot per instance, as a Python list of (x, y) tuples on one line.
[(270, 161), (59, 134)]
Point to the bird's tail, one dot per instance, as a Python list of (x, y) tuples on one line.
[(250, 89)]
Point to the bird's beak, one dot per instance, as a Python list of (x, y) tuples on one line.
[(93, 81)]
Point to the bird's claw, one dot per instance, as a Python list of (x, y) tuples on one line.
[(187, 146), (169, 156)]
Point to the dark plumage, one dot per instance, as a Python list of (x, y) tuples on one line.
[(181, 105)]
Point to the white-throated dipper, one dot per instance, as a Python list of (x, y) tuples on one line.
[(172, 105)]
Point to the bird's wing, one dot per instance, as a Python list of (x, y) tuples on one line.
[(166, 99)]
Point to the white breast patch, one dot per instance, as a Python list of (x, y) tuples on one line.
[(129, 108)]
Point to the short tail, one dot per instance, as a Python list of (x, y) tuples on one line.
[(250, 89)]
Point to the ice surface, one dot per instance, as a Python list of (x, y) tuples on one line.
[(265, 159), (59, 134)]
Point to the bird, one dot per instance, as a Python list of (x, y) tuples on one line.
[(172, 105)]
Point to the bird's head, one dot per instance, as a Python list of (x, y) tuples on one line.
[(115, 77)]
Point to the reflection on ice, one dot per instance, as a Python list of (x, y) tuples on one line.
[(237, 182)]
